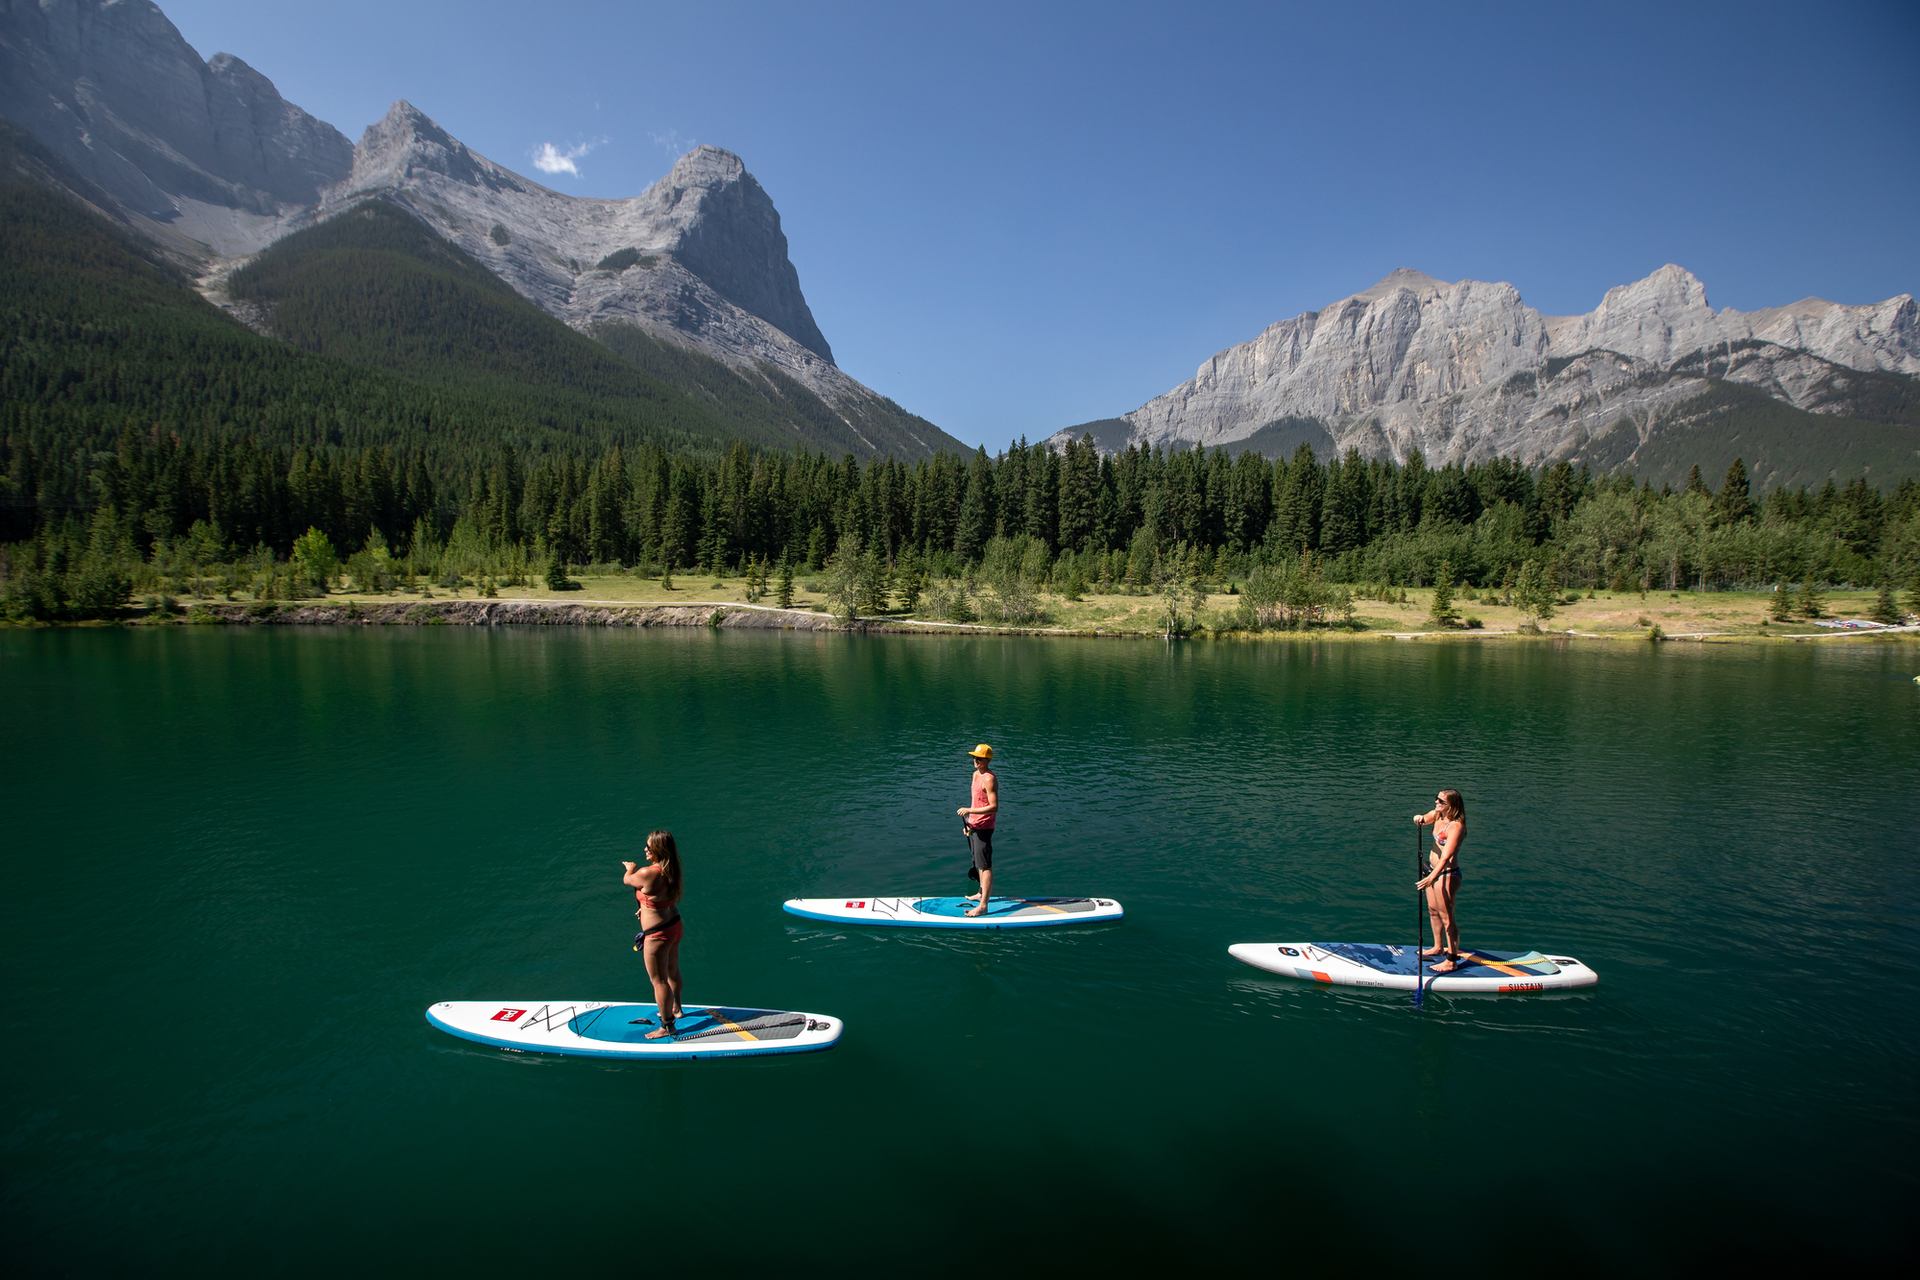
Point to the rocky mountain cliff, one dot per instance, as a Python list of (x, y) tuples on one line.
[(208, 159), (195, 151), (1466, 370), (699, 255)]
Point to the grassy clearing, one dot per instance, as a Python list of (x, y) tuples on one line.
[(1623, 614)]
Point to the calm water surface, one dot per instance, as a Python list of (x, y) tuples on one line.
[(241, 863)]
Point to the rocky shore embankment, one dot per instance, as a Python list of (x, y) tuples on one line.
[(556, 613), (495, 613)]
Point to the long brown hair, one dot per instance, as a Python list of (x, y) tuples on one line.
[(1455, 802), (666, 854)]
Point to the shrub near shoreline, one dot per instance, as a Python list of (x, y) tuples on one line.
[(1222, 611)]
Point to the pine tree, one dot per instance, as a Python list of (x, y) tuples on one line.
[(1780, 607), (1070, 575), (1884, 608), (1735, 501), (909, 579), (1812, 600), (1441, 613), (1079, 493), (1343, 521), (784, 592), (844, 579), (1140, 561), (1533, 594), (874, 586), (976, 510), (1296, 516)]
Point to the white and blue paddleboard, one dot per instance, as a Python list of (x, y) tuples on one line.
[(1379, 964), (616, 1029), (951, 913)]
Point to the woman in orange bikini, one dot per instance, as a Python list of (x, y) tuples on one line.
[(1448, 818), (656, 887)]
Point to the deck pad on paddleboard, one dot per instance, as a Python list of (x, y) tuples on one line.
[(1380, 964), (618, 1029), (951, 913)]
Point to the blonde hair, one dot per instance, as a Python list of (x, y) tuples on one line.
[(668, 885), (1455, 802)]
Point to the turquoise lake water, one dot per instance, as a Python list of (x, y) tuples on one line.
[(240, 863)]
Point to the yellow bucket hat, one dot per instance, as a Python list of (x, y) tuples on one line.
[(983, 751)]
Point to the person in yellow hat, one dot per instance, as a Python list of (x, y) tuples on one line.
[(977, 820)]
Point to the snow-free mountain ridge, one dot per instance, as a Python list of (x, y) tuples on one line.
[(700, 243), (209, 160), (192, 151), (1467, 370)]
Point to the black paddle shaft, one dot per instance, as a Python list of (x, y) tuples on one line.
[(1419, 917)]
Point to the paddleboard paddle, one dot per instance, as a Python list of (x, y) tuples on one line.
[(1419, 923)]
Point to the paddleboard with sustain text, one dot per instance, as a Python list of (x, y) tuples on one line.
[(617, 1029), (1380, 964), (951, 913)]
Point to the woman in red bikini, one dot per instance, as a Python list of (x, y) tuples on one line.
[(656, 887), (1448, 818)]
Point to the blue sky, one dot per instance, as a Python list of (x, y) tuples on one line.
[(1011, 218)]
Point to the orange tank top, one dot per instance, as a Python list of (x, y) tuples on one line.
[(981, 821)]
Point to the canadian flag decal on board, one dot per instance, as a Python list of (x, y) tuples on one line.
[(856, 906), (508, 1015)]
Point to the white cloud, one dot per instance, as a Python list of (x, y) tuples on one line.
[(548, 158)]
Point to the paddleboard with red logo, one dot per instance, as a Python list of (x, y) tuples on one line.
[(617, 1029), (952, 913), (1382, 964)]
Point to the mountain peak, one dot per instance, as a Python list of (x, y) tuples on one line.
[(119, 96), (722, 225), (1671, 285), (1674, 271), (406, 140), (1470, 371), (403, 119), (710, 163), (1407, 278)]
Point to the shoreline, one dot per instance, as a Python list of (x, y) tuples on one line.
[(734, 615)]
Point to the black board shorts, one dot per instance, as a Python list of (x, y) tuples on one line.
[(980, 843)]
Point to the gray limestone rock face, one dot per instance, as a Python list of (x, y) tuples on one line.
[(1467, 370), (731, 238), (698, 258), (208, 159), (111, 88)]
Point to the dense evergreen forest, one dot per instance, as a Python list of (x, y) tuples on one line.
[(87, 521), (151, 444)]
